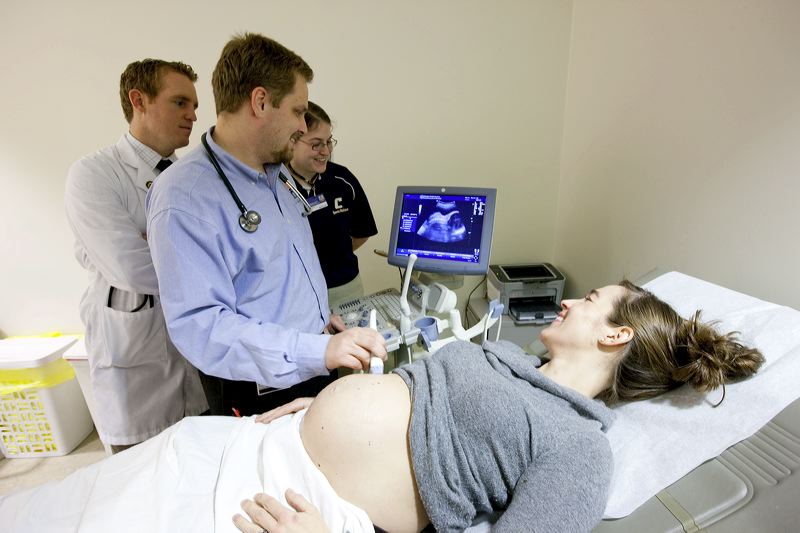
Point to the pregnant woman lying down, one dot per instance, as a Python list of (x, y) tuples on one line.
[(475, 430), (468, 431)]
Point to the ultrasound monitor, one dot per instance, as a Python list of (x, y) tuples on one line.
[(448, 228)]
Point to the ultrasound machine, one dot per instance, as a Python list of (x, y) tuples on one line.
[(439, 230)]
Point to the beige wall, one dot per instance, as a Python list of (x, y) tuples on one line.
[(681, 144), (447, 92), (680, 124)]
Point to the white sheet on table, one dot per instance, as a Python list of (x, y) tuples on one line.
[(164, 484), (192, 477)]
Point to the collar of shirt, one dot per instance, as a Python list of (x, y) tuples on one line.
[(145, 153), (229, 162)]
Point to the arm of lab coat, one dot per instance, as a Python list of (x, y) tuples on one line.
[(104, 227), (199, 301)]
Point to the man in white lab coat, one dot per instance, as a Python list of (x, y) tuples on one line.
[(141, 383)]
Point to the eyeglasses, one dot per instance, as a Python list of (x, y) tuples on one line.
[(317, 145)]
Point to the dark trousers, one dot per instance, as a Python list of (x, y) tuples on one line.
[(241, 398)]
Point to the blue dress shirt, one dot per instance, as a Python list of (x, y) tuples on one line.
[(241, 306)]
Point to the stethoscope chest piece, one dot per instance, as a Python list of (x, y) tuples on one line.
[(250, 221)]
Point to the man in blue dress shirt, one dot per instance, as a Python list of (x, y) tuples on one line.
[(249, 309)]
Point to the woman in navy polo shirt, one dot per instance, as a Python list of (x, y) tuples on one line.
[(346, 222)]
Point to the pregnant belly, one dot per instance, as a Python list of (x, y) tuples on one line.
[(356, 432)]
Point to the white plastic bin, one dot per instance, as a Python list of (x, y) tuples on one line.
[(42, 410)]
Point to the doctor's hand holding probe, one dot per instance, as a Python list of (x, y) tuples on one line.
[(375, 366), (353, 348)]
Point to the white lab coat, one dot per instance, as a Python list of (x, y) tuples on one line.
[(141, 383)]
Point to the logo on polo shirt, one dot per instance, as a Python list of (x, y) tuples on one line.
[(338, 207)]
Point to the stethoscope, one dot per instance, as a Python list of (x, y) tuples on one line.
[(250, 219)]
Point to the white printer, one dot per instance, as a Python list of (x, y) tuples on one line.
[(531, 293)]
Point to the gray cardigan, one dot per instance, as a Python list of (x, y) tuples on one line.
[(489, 432)]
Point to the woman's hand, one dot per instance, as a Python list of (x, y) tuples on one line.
[(295, 405), (268, 514)]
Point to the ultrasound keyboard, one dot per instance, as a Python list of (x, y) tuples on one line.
[(355, 313)]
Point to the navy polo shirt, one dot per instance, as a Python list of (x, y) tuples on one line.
[(347, 215)]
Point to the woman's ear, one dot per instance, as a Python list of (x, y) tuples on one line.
[(617, 336)]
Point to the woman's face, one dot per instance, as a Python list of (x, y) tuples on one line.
[(583, 323), (308, 161)]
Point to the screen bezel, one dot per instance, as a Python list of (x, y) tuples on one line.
[(440, 265)]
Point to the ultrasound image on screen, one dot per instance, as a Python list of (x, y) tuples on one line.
[(441, 227), (444, 224)]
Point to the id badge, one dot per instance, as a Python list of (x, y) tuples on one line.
[(317, 202)]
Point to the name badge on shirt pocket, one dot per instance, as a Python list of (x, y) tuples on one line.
[(317, 202)]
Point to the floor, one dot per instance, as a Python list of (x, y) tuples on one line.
[(18, 474)]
